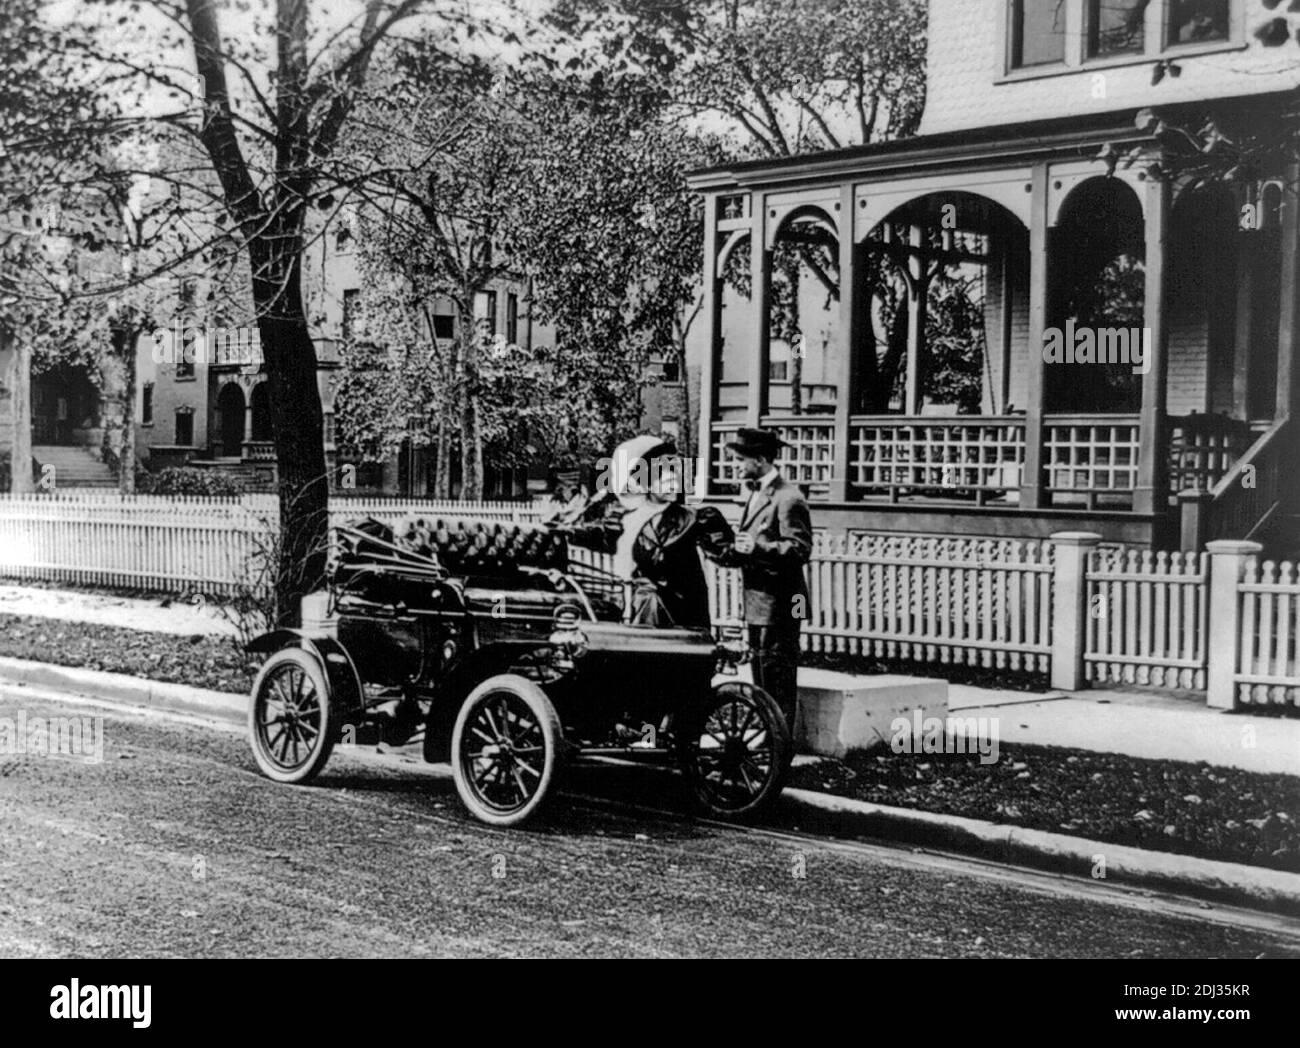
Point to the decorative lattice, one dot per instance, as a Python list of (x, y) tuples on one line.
[(943, 456), (1092, 457), (1202, 448)]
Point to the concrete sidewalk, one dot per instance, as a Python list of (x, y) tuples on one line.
[(1140, 724), (1136, 723), (134, 613)]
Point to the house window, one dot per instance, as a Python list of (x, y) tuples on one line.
[(188, 350), (777, 370), (1116, 27), (1037, 32), (343, 239), (1196, 21), (485, 308), (184, 427), (146, 405), (444, 326), (351, 314), (672, 371), (512, 318)]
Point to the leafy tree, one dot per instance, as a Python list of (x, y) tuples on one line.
[(456, 152), (278, 84), (784, 76), (614, 237), (535, 174)]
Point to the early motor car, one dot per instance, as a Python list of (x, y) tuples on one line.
[(509, 661)]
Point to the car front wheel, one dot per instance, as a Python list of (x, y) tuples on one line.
[(505, 748), (736, 752)]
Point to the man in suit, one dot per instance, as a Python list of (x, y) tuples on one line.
[(772, 545)]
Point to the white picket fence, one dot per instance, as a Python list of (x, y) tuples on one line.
[(932, 600), (1146, 618), (1268, 655), (1220, 621), (178, 544)]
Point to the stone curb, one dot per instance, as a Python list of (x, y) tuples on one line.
[(1224, 882), (118, 687)]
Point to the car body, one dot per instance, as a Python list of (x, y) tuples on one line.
[(510, 661)]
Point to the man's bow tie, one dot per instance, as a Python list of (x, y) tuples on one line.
[(753, 485)]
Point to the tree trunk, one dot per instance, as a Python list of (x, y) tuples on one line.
[(126, 463), (20, 459), (471, 441), (297, 418), (442, 463)]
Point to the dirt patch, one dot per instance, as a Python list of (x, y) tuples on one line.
[(1169, 806)]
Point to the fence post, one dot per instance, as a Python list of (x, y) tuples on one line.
[(1070, 607), (1223, 619), (1194, 508)]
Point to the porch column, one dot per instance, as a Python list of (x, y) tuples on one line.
[(917, 287), (704, 449), (1241, 363), (1150, 495), (1031, 481), (1289, 324), (760, 294), (847, 372), (248, 416)]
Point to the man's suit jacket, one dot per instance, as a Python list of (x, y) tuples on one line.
[(773, 574)]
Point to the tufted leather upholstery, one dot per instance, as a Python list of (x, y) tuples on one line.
[(477, 547)]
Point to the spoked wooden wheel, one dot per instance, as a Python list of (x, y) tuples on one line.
[(736, 752), (505, 748), (289, 718)]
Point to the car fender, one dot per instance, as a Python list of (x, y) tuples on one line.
[(335, 663), (458, 681)]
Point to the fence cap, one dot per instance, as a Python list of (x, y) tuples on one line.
[(1234, 546), (1076, 538)]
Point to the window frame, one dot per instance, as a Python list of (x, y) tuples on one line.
[(489, 302), (1011, 10), (186, 413), (1235, 29), (1077, 60), (146, 404), (1091, 29), (512, 317)]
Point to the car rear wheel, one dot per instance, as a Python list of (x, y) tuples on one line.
[(289, 719), (505, 748), (736, 752)]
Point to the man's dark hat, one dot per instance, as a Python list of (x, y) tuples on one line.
[(762, 442)]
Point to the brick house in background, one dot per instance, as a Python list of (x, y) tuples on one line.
[(1012, 185)]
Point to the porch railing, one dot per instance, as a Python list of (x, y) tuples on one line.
[(1088, 460), (978, 456), (1245, 497), (1203, 449), (1089, 457)]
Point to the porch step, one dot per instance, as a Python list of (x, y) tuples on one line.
[(74, 467)]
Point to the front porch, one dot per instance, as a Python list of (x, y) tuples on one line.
[(891, 311), (966, 474)]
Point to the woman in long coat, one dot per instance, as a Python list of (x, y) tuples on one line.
[(655, 538)]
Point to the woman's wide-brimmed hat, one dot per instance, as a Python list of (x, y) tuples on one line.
[(625, 463), (762, 442)]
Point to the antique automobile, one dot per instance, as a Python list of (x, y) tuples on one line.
[(509, 661)]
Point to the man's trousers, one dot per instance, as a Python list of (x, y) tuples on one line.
[(776, 663)]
